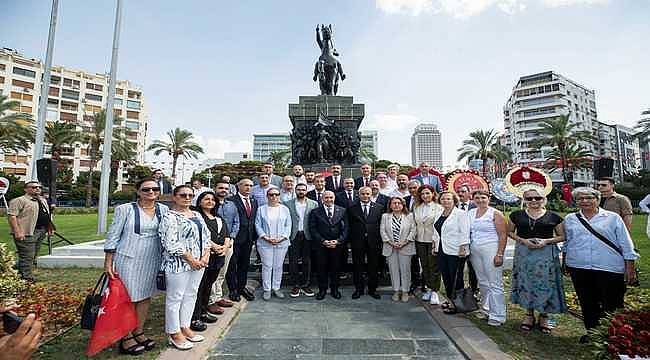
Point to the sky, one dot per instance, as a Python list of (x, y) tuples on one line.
[(227, 69)]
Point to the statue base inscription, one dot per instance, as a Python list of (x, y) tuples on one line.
[(325, 130)]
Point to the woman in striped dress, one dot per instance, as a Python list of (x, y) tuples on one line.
[(186, 243), (132, 251), (397, 232)]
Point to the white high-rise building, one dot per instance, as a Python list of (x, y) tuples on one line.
[(73, 97), (426, 145), (544, 96)]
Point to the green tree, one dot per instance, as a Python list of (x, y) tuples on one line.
[(502, 158), (575, 157), (138, 172), (280, 159), (180, 144), (368, 156), (480, 145), (60, 135), (16, 130), (643, 126), (121, 148), (562, 135)]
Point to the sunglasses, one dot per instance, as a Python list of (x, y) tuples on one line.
[(536, 198), (186, 195), (150, 189), (273, 194)]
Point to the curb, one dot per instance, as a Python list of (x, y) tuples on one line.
[(468, 338)]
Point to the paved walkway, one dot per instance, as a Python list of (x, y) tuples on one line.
[(345, 329)]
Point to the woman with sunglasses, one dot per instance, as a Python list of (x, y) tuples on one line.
[(536, 271), (186, 243), (273, 225), (132, 251)]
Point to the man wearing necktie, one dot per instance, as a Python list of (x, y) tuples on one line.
[(328, 226), (425, 178), (346, 199), (364, 218), (319, 188), (237, 274), (334, 182), (365, 178)]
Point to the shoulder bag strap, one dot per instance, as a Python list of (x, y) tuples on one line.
[(136, 222), (598, 235)]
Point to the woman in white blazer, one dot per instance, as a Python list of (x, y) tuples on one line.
[(397, 232), (273, 225), (424, 213), (451, 244)]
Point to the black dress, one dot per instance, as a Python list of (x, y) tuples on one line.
[(218, 236)]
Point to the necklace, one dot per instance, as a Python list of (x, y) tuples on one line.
[(533, 221)]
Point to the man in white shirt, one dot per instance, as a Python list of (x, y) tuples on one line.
[(199, 188), (384, 186), (402, 187), (299, 175), (465, 198), (309, 178), (287, 192), (393, 170)]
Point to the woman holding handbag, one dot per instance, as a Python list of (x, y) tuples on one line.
[(397, 230), (451, 245), (186, 243), (132, 250), (599, 255)]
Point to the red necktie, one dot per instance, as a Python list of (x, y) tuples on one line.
[(365, 181), (247, 206), (349, 197)]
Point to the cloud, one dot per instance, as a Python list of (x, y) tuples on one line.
[(392, 122), (462, 9), (215, 147)]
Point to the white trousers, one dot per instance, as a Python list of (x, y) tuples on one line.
[(180, 299), (217, 288), (490, 280), (272, 257), (399, 267)]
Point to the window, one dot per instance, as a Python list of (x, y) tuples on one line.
[(21, 96), (71, 83), (52, 115), (133, 104), (53, 91), (56, 80), (2, 66), (93, 97), (52, 103), (132, 135), (24, 72), (69, 94), (132, 125), (132, 115), (119, 91), (117, 112), (22, 84), (117, 101), (96, 87), (92, 109), (15, 171), (68, 106), (2, 80), (68, 117), (134, 95)]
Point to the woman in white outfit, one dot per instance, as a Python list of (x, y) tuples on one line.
[(488, 236), (273, 225), (397, 232), (186, 243)]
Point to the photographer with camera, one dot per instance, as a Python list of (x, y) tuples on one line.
[(24, 335)]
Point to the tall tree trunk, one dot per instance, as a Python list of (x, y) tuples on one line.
[(484, 166), (174, 160)]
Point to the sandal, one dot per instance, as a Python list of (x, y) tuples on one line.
[(135, 350), (449, 310), (445, 305), (543, 325), (526, 325), (147, 343)]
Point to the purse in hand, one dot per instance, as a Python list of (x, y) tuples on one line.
[(92, 303), (463, 299), (161, 283)]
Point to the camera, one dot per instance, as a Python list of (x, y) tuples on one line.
[(10, 322)]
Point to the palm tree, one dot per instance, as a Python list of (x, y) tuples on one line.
[(60, 135), (16, 130), (559, 133), (280, 158), (180, 144), (480, 145), (502, 158), (121, 148), (644, 124), (576, 157)]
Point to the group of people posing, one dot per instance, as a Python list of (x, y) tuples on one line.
[(423, 234)]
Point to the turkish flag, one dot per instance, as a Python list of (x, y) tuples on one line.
[(566, 193), (116, 317)]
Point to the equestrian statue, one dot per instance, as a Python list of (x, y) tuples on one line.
[(328, 69)]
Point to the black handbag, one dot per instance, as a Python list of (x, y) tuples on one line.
[(463, 299), (92, 303), (161, 283)]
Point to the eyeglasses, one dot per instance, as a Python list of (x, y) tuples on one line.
[(186, 195), (150, 189), (536, 198), (601, 185), (586, 198)]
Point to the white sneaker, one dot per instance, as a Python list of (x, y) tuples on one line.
[(266, 296), (278, 293), (196, 338), (481, 315), (396, 296), (427, 295), (494, 323), (434, 298), (185, 345)]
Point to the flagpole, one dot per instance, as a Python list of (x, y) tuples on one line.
[(104, 186), (37, 152)]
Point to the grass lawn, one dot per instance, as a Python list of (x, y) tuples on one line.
[(76, 228), (563, 342)]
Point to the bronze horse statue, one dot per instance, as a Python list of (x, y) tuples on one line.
[(328, 69)]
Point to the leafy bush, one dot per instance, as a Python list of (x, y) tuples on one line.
[(626, 332), (10, 282)]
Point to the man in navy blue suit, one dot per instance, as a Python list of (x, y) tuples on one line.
[(365, 178), (334, 182), (427, 179)]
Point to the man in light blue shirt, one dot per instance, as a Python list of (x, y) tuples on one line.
[(259, 191), (599, 269)]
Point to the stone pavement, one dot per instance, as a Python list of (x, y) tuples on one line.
[(305, 328)]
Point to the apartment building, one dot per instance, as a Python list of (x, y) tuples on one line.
[(426, 145)]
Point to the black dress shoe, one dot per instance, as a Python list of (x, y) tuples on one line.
[(335, 294), (209, 318), (198, 325), (374, 295), (357, 294), (234, 297), (584, 339), (247, 294), (321, 295)]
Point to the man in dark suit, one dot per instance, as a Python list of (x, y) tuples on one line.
[(165, 186), (364, 218), (236, 276), (378, 197), (424, 177), (348, 196), (319, 188), (328, 226), (465, 203), (365, 178), (334, 182)]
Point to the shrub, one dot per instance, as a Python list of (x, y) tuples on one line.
[(10, 282), (626, 332)]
